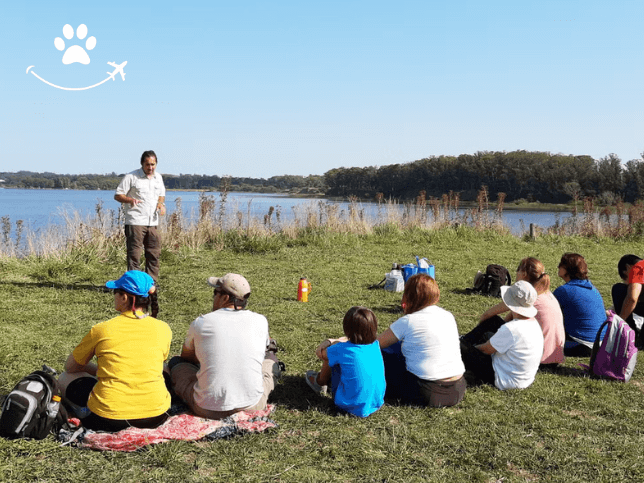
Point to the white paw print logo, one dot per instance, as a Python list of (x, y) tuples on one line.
[(75, 53)]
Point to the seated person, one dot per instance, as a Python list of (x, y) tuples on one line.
[(352, 365), (224, 366), (549, 315), (628, 297), (421, 350), (581, 304), (510, 358), (125, 387)]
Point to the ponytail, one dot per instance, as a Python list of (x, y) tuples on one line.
[(535, 274)]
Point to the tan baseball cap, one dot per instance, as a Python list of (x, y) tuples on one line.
[(232, 284)]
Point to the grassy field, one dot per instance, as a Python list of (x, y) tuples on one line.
[(565, 427)]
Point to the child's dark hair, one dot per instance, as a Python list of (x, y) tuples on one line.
[(626, 260), (360, 325)]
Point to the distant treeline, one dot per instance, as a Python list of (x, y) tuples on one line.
[(28, 179), (533, 176)]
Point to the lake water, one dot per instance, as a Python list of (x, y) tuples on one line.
[(39, 209)]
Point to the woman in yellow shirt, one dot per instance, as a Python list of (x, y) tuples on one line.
[(125, 387)]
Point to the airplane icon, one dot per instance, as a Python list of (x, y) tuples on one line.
[(118, 69)]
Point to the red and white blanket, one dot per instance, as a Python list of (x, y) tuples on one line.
[(186, 427)]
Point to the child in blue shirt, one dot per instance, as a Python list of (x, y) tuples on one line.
[(352, 365)]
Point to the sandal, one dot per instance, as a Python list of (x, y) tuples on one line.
[(311, 380)]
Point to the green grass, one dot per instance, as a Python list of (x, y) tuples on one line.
[(563, 428)]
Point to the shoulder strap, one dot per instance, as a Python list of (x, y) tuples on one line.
[(596, 344)]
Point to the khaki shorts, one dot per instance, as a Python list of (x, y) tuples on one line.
[(184, 378)]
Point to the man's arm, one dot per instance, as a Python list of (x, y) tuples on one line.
[(189, 354), (632, 296), (127, 199), (122, 189), (161, 205)]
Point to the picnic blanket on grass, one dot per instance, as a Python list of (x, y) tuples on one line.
[(185, 427)]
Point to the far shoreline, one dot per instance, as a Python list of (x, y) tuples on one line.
[(525, 206)]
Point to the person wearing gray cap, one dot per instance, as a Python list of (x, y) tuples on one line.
[(510, 358), (224, 365)]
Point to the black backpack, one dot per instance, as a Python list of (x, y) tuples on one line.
[(490, 282), (33, 408)]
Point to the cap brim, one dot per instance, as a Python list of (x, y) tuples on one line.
[(111, 284), (214, 281), (525, 311)]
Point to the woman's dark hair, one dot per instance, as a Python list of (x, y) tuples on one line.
[(574, 265), (421, 291), (148, 154), (139, 302), (535, 274), (360, 325), (626, 260)]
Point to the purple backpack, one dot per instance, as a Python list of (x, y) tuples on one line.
[(615, 356)]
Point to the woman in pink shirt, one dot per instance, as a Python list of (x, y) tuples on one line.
[(549, 314)]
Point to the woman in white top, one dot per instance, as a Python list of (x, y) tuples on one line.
[(421, 350)]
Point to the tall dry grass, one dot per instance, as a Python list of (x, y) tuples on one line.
[(614, 221), (216, 224)]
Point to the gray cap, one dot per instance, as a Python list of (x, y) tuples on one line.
[(232, 284)]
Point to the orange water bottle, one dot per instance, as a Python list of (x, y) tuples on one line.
[(303, 289)]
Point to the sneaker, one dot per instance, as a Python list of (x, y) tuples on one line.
[(311, 380)]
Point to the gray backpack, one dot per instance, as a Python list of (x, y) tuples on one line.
[(33, 408)]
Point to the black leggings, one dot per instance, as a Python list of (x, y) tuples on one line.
[(78, 392), (476, 362), (482, 332)]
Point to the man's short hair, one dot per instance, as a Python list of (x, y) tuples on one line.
[(233, 285), (626, 260), (148, 154)]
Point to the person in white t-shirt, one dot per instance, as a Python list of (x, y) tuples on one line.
[(510, 358), (225, 366), (421, 351)]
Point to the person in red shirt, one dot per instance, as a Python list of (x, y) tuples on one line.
[(627, 297)]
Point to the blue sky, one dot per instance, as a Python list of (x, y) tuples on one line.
[(265, 88)]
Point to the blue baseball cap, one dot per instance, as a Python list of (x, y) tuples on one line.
[(133, 282)]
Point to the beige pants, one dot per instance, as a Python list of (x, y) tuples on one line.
[(184, 378)]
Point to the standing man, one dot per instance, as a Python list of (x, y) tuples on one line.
[(226, 363), (143, 195)]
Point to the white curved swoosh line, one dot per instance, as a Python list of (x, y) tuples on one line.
[(67, 88)]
